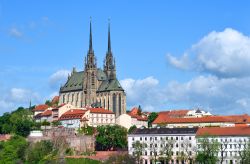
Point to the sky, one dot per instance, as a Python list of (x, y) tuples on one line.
[(170, 54)]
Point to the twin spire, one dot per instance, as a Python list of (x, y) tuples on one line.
[(90, 38)]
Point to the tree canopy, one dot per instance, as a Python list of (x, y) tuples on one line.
[(111, 137), (151, 118)]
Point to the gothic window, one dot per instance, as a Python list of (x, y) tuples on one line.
[(114, 103), (104, 103), (120, 104), (77, 97), (93, 79), (63, 98), (72, 97)]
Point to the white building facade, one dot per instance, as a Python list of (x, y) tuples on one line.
[(178, 143)]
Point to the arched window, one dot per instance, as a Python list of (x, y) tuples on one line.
[(63, 99), (114, 103), (104, 105), (120, 104), (72, 97), (93, 79)]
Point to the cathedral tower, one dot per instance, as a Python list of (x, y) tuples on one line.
[(90, 74), (109, 61)]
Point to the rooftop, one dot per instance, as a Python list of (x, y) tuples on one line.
[(224, 131), (164, 131)]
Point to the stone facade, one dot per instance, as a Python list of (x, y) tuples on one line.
[(93, 86)]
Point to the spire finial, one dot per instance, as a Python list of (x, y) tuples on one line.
[(109, 39), (90, 36)]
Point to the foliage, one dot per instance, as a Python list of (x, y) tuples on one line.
[(81, 161), (131, 129), (117, 159), (111, 137), (208, 150), (39, 151), (138, 149), (88, 130), (56, 123), (12, 150), (151, 118), (18, 122), (48, 102)]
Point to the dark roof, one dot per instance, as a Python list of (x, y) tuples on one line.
[(164, 131), (75, 81), (110, 85)]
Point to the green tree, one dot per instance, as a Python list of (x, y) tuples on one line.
[(131, 129), (56, 123), (207, 150), (151, 118), (138, 150), (39, 151), (111, 137), (48, 102), (12, 151), (123, 158), (23, 128)]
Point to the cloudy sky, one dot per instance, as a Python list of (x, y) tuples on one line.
[(169, 54)]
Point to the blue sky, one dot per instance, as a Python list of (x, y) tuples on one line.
[(169, 54)]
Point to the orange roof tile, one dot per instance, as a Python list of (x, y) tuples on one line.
[(41, 107), (55, 99), (207, 119), (134, 111), (100, 110), (46, 113), (165, 115), (73, 114), (224, 131)]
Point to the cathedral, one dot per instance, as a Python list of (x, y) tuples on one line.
[(93, 86)]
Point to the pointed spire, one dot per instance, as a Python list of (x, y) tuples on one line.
[(109, 40), (90, 36)]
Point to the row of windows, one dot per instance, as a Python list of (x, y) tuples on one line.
[(229, 146), (162, 138), (162, 145), (155, 153)]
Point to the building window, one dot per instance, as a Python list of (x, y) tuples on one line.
[(176, 138), (190, 138)]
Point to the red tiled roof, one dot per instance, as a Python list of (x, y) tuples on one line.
[(207, 119), (41, 107), (165, 115), (73, 114), (224, 131), (47, 113), (100, 110), (134, 111), (55, 99)]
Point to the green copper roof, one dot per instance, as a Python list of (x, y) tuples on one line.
[(74, 82), (110, 85)]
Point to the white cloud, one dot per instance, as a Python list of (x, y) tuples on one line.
[(224, 54), (58, 78), (182, 63), (144, 92), (21, 95), (15, 32), (12, 98), (218, 95)]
